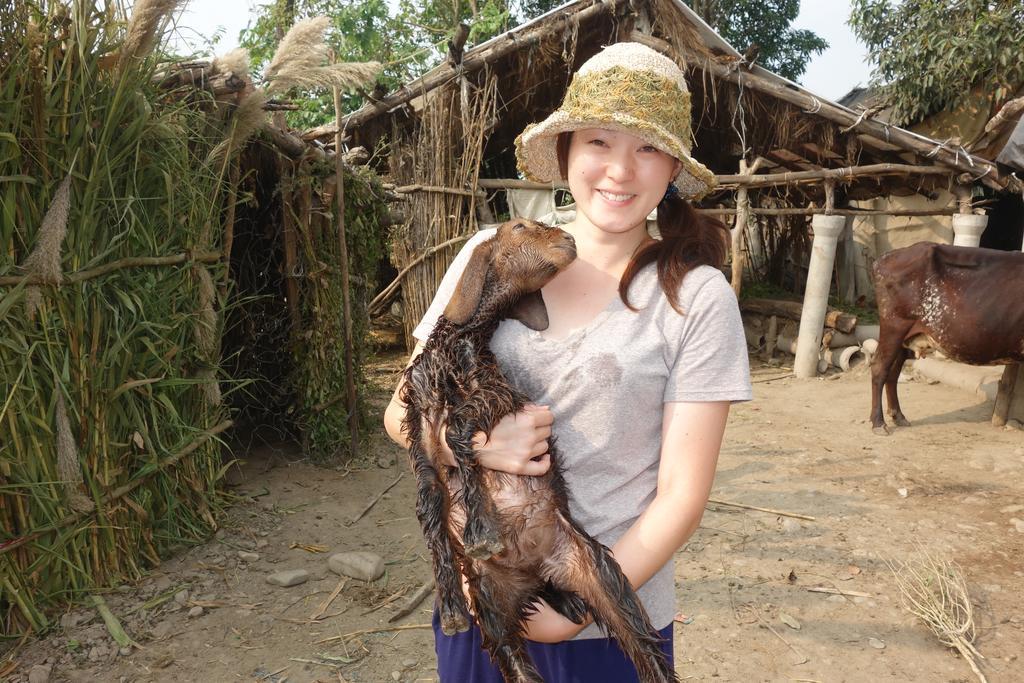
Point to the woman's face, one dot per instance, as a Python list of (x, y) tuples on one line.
[(616, 178)]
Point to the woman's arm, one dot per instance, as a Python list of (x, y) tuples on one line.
[(518, 443), (691, 439), (394, 414)]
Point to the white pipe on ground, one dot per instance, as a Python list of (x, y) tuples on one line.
[(827, 230), (860, 334), (865, 332), (755, 337), (980, 380), (967, 229), (844, 358), (787, 344)]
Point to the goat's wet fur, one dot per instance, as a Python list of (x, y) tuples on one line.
[(511, 536)]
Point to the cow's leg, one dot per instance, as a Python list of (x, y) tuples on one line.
[(891, 382), (432, 511), (890, 351), (1004, 395), (587, 568), (500, 601)]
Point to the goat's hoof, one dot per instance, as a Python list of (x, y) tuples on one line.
[(485, 549), (454, 623), (881, 431), (901, 421)]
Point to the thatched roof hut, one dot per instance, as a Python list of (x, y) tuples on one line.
[(451, 133)]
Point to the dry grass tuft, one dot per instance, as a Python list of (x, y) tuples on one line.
[(69, 469), (301, 61), (143, 27), (934, 590), (249, 117), (44, 261), (234, 62)]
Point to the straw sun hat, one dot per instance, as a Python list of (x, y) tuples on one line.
[(627, 87)]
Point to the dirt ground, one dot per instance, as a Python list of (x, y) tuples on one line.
[(951, 484)]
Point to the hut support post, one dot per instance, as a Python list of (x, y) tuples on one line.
[(291, 253), (967, 226), (740, 226), (351, 401), (827, 229), (967, 229)]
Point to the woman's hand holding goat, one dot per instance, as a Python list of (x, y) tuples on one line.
[(518, 443)]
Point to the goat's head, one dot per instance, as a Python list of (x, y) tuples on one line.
[(505, 273)]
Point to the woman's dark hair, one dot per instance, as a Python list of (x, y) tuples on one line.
[(688, 239)]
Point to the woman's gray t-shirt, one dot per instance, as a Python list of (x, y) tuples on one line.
[(606, 385)]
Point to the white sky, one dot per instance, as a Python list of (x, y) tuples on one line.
[(831, 74)]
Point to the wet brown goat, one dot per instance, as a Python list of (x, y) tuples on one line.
[(512, 536)]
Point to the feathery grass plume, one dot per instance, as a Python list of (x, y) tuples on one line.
[(44, 261), (143, 27), (69, 470), (206, 334), (302, 48), (344, 75), (234, 62), (248, 118), (301, 61)]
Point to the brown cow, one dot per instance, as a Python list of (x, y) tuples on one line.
[(965, 301)]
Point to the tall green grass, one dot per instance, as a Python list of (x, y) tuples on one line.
[(120, 354)]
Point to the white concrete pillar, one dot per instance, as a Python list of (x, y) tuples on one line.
[(827, 230), (967, 229)]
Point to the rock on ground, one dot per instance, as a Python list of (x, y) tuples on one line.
[(288, 577), (361, 565)]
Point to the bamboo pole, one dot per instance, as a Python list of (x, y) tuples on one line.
[(409, 189), (229, 220), (127, 262), (387, 292), (351, 402), (846, 173), (291, 256), (810, 211)]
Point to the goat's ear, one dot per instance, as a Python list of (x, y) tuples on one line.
[(467, 294), (531, 311)]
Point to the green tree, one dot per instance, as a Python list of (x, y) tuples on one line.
[(766, 24), (929, 54)]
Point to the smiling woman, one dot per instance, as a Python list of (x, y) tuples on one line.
[(642, 357)]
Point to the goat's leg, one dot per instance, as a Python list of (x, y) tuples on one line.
[(568, 604), (588, 569), (432, 512), (500, 605), (481, 536), (431, 503)]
